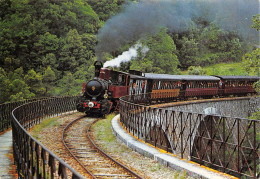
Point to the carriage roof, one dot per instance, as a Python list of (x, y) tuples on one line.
[(181, 77), (138, 77), (248, 78)]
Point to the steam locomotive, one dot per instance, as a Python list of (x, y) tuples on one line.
[(101, 94)]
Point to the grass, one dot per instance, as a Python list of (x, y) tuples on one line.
[(226, 69), (46, 123), (103, 128), (156, 167)]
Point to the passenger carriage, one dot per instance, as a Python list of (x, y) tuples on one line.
[(183, 86), (237, 85), (200, 86)]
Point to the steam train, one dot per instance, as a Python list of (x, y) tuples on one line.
[(101, 94)]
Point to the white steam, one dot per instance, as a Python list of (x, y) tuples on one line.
[(126, 56)]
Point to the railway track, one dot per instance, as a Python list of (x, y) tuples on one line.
[(96, 163)]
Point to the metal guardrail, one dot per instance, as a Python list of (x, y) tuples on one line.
[(32, 159), (6, 112), (230, 145)]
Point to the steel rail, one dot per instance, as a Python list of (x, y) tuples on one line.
[(108, 156), (67, 148), (118, 164)]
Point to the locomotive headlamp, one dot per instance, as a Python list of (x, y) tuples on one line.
[(91, 104)]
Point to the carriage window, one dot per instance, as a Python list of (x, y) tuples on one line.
[(156, 85), (233, 84), (228, 83), (163, 85), (121, 79), (192, 84), (167, 85), (215, 84), (242, 83), (205, 84)]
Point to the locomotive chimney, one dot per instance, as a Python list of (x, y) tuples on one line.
[(98, 65)]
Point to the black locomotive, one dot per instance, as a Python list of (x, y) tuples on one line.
[(95, 97)]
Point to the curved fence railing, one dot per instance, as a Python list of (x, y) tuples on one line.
[(6, 112), (32, 159), (230, 145)]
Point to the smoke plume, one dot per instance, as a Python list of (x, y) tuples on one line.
[(148, 16), (126, 56)]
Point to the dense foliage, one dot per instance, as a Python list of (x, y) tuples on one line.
[(48, 47), (205, 45), (161, 57)]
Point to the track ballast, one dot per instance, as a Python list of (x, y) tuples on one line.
[(95, 162)]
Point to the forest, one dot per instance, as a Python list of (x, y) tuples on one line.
[(48, 47)]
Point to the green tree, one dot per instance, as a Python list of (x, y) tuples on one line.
[(47, 43), (206, 44), (68, 85), (90, 42), (84, 73), (62, 16), (256, 21), (251, 62), (236, 50), (161, 56), (34, 81), (13, 86), (49, 60), (4, 86), (10, 64), (189, 52), (32, 29), (49, 78), (105, 8), (74, 53), (193, 70), (16, 74), (20, 29), (20, 91)]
